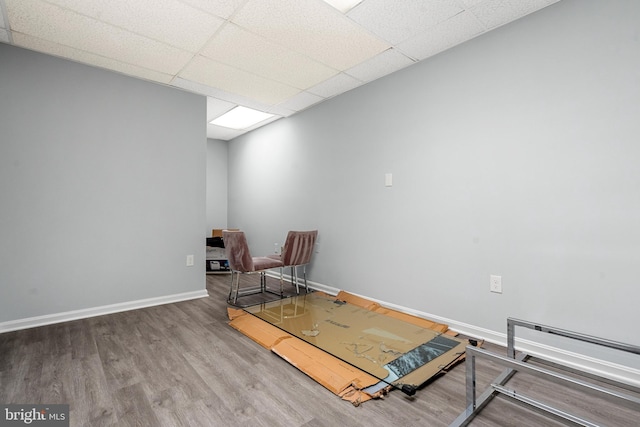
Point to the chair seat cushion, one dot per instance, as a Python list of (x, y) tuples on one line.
[(263, 263)]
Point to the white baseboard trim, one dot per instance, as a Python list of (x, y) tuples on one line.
[(32, 322), (582, 362), (574, 360)]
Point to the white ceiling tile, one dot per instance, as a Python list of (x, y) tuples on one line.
[(385, 63), (494, 13), (162, 20), (471, 3), (227, 78), (68, 28), (301, 101), (313, 28), (281, 111), (244, 50), (220, 94), (335, 85), (276, 56), (396, 21), (196, 87), (50, 48), (458, 29), (222, 8), (208, 90)]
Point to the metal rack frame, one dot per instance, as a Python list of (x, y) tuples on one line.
[(514, 363)]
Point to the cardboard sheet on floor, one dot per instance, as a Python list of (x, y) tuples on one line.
[(355, 343)]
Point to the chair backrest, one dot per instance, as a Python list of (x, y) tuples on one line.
[(237, 250), (298, 247)]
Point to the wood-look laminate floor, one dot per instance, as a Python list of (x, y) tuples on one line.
[(182, 365)]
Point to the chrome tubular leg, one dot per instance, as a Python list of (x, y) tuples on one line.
[(471, 380), (294, 278), (304, 278), (230, 287), (511, 338), (235, 286)]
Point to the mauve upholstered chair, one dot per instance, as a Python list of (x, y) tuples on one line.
[(241, 262), (296, 252)]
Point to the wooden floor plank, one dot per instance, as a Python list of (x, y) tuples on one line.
[(182, 365), (91, 399)]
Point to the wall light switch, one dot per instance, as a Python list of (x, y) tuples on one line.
[(388, 179), (189, 260)]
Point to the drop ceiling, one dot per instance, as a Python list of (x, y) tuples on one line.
[(275, 56)]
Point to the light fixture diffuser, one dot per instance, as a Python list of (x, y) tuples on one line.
[(241, 118), (344, 6)]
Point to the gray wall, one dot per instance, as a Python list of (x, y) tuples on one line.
[(216, 185), (102, 187), (515, 154)]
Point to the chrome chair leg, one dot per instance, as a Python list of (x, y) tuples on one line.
[(294, 277), (235, 286), (304, 278)]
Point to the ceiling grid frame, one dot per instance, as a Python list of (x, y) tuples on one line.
[(291, 54)]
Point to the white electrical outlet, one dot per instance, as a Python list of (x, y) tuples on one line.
[(495, 284), (189, 260)]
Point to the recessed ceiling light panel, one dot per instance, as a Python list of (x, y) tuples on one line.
[(241, 118)]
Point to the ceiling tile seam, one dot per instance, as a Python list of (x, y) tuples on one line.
[(370, 33), (5, 16), (230, 97), (233, 98), (473, 11), (429, 28), (392, 48), (92, 54), (411, 57), (485, 29), (239, 69), (221, 114), (514, 17), (352, 9), (395, 44), (220, 28), (198, 53), (287, 49), (339, 14), (124, 29), (284, 83), (361, 83), (322, 99), (212, 14)]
